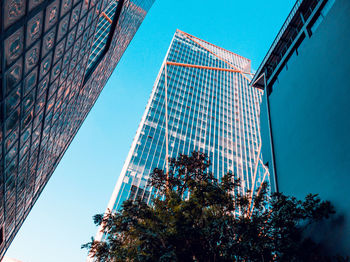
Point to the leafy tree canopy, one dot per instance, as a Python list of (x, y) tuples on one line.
[(195, 217)]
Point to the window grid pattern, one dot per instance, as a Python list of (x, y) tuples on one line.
[(212, 111), (102, 32), (43, 98)]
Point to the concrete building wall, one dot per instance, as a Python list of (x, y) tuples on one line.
[(310, 121)]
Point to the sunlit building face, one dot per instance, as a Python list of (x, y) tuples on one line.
[(201, 101)]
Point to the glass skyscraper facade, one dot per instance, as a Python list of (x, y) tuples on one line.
[(204, 92), (55, 58)]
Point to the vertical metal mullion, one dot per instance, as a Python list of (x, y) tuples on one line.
[(47, 91), (273, 166), (21, 117), (2, 164)]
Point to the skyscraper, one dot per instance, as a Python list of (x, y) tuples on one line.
[(201, 101), (56, 57)]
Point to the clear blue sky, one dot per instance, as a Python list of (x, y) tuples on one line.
[(83, 182)]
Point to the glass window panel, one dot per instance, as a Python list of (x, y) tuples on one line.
[(14, 10), (32, 57), (48, 41), (14, 46), (51, 16), (34, 26), (13, 76)]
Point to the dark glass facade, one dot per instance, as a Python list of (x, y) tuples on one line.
[(204, 92), (305, 112), (52, 69)]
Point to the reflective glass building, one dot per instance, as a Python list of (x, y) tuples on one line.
[(203, 91), (52, 69), (305, 111)]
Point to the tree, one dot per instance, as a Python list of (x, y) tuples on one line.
[(195, 217)]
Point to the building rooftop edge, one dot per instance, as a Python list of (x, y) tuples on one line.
[(178, 30), (286, 26)]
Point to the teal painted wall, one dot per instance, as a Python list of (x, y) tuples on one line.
[(310, 121)]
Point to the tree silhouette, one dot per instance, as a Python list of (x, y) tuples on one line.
[(195, 217)]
